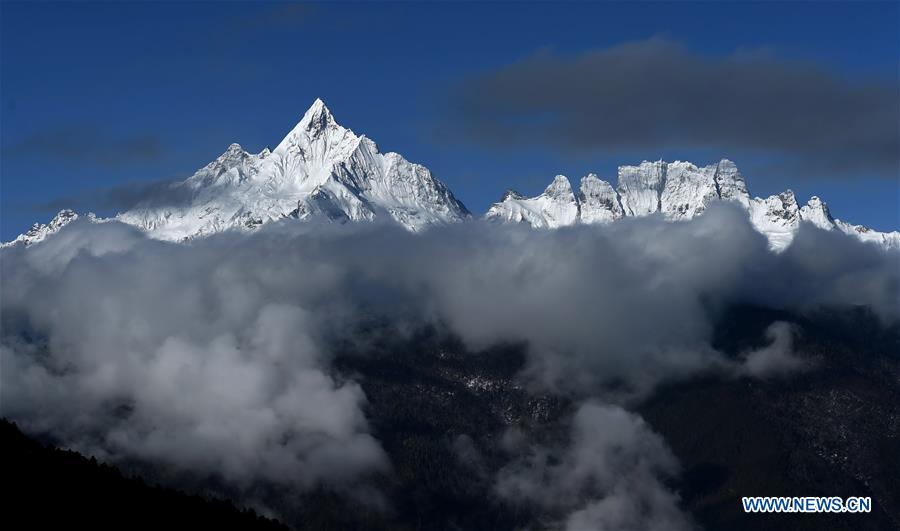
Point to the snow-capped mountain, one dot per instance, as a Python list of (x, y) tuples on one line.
[(40, 231), (556, 207), (323, 169), (320, 168), (679, 191)]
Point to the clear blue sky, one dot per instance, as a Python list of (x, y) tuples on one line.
[(99, 95)]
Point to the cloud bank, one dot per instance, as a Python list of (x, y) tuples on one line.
[(123, 347), (215, 356), (652, 94)]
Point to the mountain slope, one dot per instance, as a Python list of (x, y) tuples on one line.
[(679, 191), (319, 168)]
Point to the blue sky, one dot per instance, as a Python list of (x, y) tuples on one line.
[(94, 96)]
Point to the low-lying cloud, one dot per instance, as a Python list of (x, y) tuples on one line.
[(644, 96), (778, 357), (215, 356), (610, 475), (124, 347)]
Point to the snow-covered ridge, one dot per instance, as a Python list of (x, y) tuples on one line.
[(40, 231), (679, 191), (321, 169)]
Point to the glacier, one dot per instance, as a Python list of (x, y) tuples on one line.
[(324, 170)]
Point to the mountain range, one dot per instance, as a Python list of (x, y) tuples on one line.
[(322, 169)]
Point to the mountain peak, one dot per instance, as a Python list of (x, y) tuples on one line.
[(816, 211), (233, 153), (317, 117), (39, 231), (556, 207), (318, 169), (511, 194), (590, 178), (560, 187), (312, 147), (788, 197), (229, 158)]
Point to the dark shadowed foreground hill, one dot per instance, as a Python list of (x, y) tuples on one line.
[(49, 488)]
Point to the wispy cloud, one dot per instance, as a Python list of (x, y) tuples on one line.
[(161, 193), (610, 476), (656, 94), (778, 357), (87, 144)]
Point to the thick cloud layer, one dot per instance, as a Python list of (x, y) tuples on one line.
[(214, 356), (123, 347), (645, 95)]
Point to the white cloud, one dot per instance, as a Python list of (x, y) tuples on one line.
[(776, 358), (609, 476)]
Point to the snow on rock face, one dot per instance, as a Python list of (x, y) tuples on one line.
[(680, 191), (599, 201), (730, 183), (214, 205), (556, 207), (687, 191), (319, 168), (777, 216), (887, 240), (640, 187), (816, 212), (40, 231)]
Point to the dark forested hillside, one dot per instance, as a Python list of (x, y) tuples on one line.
[(833, 430), (49, 488)]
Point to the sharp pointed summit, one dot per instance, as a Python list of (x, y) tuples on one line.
[(318, 105), (320, 169), (317, 118)]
